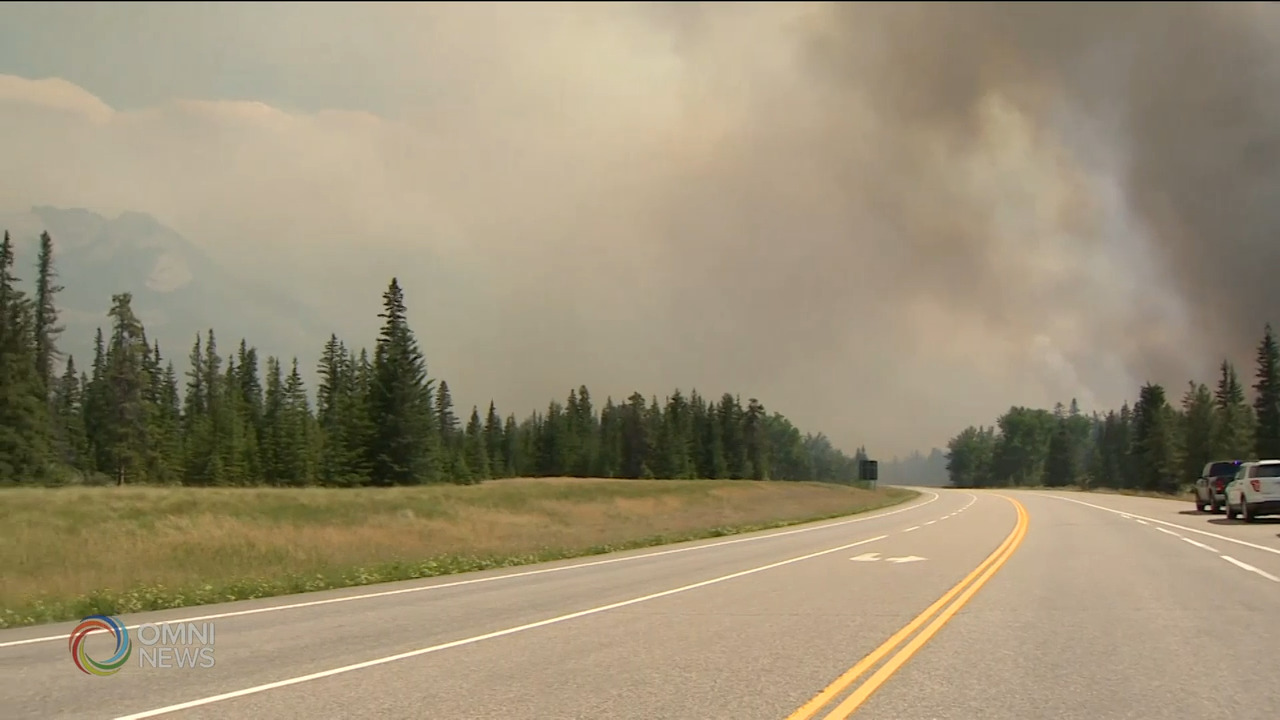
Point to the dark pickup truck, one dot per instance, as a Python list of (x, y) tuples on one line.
[(1212, 484)]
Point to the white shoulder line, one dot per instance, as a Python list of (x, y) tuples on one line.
[(1216, 536), (1199, 544), (499, 633), (508, 576), (1247, 567)]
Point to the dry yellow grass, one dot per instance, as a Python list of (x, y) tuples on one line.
[(1185, 494), (71, 550)]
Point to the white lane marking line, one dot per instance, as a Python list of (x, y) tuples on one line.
[(972, 499), (904, 559), (1250, 568), (494, 578), (1216, 536), (487, 636), (1168, 532), (1141, 522), (1198, 544)]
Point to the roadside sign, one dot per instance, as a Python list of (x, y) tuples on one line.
[(869, 470)]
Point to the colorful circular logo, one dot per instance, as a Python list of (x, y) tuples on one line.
[(87, 664)]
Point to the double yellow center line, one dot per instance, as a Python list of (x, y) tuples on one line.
[(965, 589)]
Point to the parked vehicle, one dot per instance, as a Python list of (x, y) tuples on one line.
[(1211, 487), (1255, 491)]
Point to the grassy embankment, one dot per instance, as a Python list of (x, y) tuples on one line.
[(1186, 493), (70, 552)]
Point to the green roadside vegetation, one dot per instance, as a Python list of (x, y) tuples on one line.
[(1157, 446)]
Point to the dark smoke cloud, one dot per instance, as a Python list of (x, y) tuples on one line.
[(842, 204), (1182, 101)]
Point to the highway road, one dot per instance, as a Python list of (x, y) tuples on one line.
[(970, 605)]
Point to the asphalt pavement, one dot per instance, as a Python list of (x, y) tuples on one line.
[(973, 605)]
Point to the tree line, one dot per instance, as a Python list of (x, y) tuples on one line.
[(1154, 445), (916, 468), (377, 419)]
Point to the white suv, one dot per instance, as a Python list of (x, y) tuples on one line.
[(1255, 491)]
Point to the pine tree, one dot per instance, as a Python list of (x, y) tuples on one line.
[(1060, 465), (1154, 450), (588, 428), (359, 425), (1233, 437), (551, 441), (198, 450), (635, 437), (1266, 404), (126, 436), (402, 450), (511, 446), (1197, 430), (476, 452), (237, 449), (609, 462), (220, 419), (712, 461), (69, 416), (294, 463), (493, 442), (96, 406), (164, 421), (756, 440), (570, 437), (272, 450), (731, 438), (452, 458), (24, 418), (47, 328), (250, 392), (678, 438)]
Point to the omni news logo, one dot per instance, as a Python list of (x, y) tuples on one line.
[(160, 645)]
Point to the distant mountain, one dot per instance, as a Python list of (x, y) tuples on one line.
[(178, 290)]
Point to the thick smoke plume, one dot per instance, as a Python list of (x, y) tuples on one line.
[(886, 220), (1179, 102)]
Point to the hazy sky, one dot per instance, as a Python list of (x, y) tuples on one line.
[(885, 221)]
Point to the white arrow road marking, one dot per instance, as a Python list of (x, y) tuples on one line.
[(875, 556)]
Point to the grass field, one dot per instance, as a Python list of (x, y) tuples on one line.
[(69, 552), (1186, 495)]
